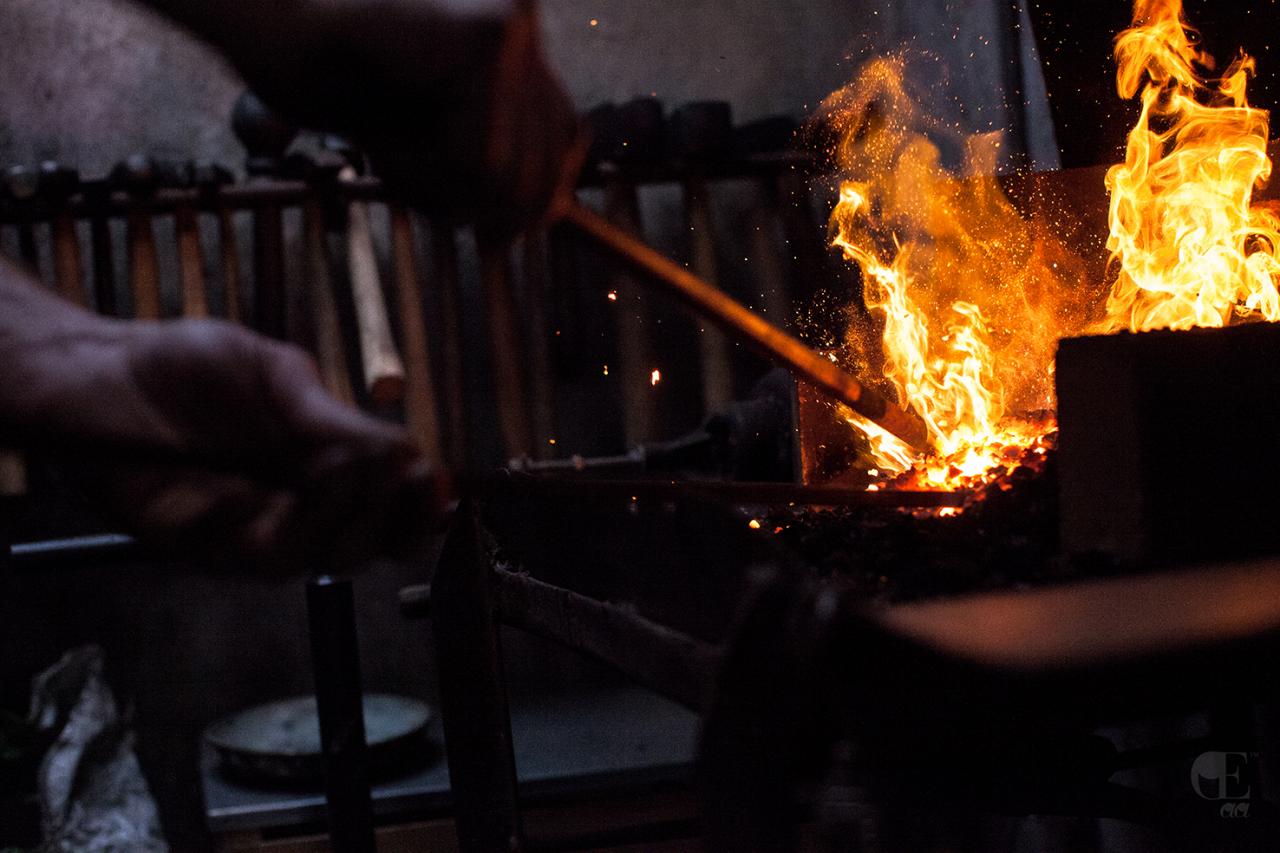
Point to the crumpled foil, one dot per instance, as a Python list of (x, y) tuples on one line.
[(93, 797)]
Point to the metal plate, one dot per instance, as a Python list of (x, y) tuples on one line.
[(280, 741)]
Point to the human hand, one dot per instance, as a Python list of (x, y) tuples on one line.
[(217, 441)]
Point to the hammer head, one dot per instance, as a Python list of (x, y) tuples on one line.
[(264, 134), (136, 175), (23, 183), (57, 182)]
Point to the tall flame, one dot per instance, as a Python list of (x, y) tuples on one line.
[(970, 294), (1190, 248)]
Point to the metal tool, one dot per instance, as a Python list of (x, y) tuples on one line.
[(23, 185), (768, 339), (209, 178), (420, 403), (57, 185), (266, 137), (137, 177), (384, 374), (186, 229)]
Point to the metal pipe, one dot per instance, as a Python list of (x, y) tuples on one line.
[(335, 659)]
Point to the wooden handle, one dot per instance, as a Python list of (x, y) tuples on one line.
[(331, 356), (195, 301), (68, 272), (420, 404), (383, 370), (445, 251), (772, 342), (144, 267)]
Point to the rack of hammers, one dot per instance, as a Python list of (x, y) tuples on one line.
[(293, 251)]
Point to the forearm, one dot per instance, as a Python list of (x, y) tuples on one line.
[(59, 365)]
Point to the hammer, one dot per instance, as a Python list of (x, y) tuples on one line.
[(137, 177), (321, 174), (23, 185), (384, 374), (420, 403), (186, 232), (58, 184), (97, 196), (209, 178), (266, 137), (700, 132)]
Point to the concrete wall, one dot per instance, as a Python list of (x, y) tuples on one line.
[(92, 81)]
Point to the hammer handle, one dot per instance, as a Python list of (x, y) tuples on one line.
[(144, 266), (383, 370), (195, 302), (420, 404), (68, 272), (505, 341), (711, 303), (331, 356)]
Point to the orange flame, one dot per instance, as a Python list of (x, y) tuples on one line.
[(1190, 248), (967, 290)]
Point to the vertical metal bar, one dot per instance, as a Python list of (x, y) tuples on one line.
[(473, 698), (506, 346), (335, 660), (445, 249)]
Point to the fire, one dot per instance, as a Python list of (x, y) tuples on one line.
[(968, 299), (968, 293), (1190, 248)]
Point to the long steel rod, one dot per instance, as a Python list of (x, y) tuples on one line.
[(744, 324)]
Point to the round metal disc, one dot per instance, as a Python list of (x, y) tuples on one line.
[(281, 740)]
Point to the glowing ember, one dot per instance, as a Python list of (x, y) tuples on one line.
[(655, 377), (1190, 247)]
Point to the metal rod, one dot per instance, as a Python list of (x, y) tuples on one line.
[(721, 309), (335, 659), (473, 696)]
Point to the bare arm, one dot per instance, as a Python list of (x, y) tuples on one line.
[(203, 433)]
